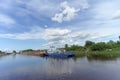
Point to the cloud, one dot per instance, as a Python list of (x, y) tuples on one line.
[(34, 33), (38, 33), (106, 10), (59, 36), (56, 32), (67, 13), (6, 20), (56, 36), (80, 36), (7, 50), (98, 21), (116, 15), (49, 8)]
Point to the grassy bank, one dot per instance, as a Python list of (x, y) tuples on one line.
[(113, 53), (110, 49), (1, 54)]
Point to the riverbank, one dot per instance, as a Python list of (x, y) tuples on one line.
[(2, 54), (112, 53), (34, 53)]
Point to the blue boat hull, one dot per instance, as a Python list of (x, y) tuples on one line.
[(70, 54)]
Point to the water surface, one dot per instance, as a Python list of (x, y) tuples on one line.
[(21, 67)]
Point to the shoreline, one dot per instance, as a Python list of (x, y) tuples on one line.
[(33, 54), (99, 54), (1, 55)]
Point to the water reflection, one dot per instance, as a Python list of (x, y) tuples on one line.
[(91, 58), (21, 67), (59, 66), (101, 58)]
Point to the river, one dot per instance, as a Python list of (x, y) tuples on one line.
[(22, 67)]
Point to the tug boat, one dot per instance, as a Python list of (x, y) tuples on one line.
[(53, 52)]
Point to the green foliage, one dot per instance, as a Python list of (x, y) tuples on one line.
[(111, 42), (14, 51), (100, 46), (75, 48), (106, 53), (0, 52), (27, 50), (89, 43), (100, 49), (92, 46), (66, 46), (118, 42)]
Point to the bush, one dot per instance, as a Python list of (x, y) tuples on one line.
[(75, 48), (27, 50), (1, 52), (89, 43), (100, 46)]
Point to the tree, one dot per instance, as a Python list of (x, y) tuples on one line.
[(14, 51), (74, 47), (100, 46), (0, 52), (119, 37), (27, 50), (89, 43), (111, 42), (66, 46)]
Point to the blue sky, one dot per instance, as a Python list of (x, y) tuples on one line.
[(37, 24)]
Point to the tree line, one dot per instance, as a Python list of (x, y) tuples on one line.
[(92, 46)]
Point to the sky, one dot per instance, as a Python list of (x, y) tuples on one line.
[(37, 24)]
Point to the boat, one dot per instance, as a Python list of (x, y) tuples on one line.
[(52, 52)]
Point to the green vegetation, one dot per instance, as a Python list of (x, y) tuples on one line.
[(109, 49), (14, 51), (1, 53), (27, 50)]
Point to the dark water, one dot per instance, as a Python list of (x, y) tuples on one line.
[(22, 67)]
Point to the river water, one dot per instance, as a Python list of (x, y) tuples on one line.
[(22, 67)]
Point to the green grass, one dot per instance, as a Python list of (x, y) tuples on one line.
[(80, 53), (1, 54), (114, 53)]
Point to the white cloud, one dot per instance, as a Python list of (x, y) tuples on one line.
[(116, 15), (49, 8), (57, 32), (106, 10), (99, 21), (6, 20), (59, 36), (80, 36), (38, 8), (67, 14), (35, 33), (38, 33), (7, 50)]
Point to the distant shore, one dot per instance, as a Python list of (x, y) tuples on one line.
[(33, 52), (2, 54)]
